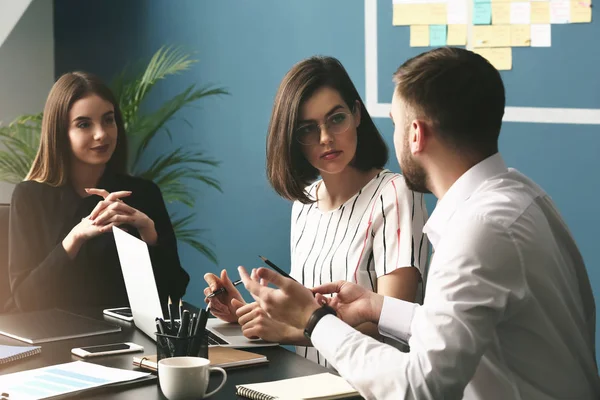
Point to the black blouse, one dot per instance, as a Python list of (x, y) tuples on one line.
[(41, 273)]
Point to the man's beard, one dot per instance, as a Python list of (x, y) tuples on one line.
[(414, 174)]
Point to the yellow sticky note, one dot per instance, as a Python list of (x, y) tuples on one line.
[(419, 35), (581, 11), (500, 57), (520, 35), (438, 14), (500, 13), (491, 36), (457, 35), (540, 12), (420, 14)]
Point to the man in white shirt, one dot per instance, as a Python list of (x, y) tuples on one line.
[(508, 312)]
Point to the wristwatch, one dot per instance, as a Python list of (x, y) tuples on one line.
[(316, 317)]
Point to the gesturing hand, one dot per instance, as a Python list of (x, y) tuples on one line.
[(292, 303), (221, 305), (257, 324), (353, 303), (112, 211)]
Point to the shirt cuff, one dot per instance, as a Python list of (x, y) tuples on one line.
[(396, 317), (328, 335)]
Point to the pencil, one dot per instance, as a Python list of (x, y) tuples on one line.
[(275, 267)]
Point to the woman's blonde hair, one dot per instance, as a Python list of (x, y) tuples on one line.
[(52, 162)]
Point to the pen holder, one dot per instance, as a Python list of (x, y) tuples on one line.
[(168, 346)]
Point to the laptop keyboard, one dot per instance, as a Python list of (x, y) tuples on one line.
[(214, 339)]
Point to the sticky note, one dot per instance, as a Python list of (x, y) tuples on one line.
[(500, 13), (581, 11), (491, 36), (482, 13), (540, 12), (419, 14), (419, 36), (437, 35), (520, 35), (520, 13), (501, 57), (560, 11), (457, 35), (458, 12), (541, 35)]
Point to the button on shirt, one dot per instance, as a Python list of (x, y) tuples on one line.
[(508, 312)]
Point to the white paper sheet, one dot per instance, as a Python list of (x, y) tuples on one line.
[(520, 13), (560, 11), (61, 379), (541, 35), (458, 12)]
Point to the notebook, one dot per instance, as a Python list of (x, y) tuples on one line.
[(224, 357), (51, 325), (14, 353), (321, 386)]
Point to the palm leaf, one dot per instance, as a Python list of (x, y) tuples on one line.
[(20, 140), (189, 235), (144, 129)]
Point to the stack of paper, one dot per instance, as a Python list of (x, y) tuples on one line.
[(62, 379)]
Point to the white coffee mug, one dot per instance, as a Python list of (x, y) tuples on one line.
[(184, 378)]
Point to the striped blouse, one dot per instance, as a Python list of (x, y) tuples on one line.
[(375, 232)]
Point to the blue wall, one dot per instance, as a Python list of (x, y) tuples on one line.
[(248, 46)]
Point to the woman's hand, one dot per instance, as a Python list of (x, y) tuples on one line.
[(112, 211), (257, 324), (81, 233), (221, 305)]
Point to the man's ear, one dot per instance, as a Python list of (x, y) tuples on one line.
[(418, 136), (357, 112)]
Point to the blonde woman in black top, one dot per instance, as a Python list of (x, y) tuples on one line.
[(62, 251)]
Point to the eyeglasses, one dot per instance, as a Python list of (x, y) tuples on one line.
[(336, 124)]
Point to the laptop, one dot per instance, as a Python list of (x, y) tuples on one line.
[(145, 303), (52, 325)]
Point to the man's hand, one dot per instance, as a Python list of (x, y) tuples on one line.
[(353, 303), (222, 305), (292, 303)]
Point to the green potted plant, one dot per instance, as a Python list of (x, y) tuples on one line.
[(172, 171)]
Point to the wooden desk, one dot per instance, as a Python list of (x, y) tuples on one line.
[(282, 363)]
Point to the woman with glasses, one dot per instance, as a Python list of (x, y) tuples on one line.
[(358, 223)]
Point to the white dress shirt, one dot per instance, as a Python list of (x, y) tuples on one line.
[(508, 312)]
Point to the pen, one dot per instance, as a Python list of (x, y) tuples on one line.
[(199, 328), (160, 327), (184, 326), (222, 290), (192, 325), (171, 321), (275, 267), (181, 345), (180, 310)]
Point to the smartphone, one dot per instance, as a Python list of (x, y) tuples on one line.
[(106, 349), (123, 313)]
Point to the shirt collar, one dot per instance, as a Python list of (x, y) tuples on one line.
[(459, 192)]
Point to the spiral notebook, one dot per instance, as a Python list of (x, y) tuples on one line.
[(14, 353), (321, 386)]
